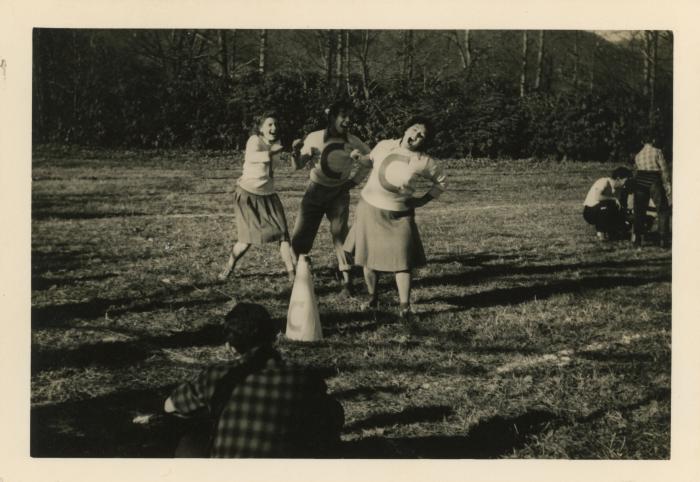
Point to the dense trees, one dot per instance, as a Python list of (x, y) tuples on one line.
[(559, 94)]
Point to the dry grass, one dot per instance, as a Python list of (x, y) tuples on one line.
[(531, 339)]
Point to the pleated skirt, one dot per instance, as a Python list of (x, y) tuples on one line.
[(259, 219)]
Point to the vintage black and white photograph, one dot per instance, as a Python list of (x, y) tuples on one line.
[(351, 244)]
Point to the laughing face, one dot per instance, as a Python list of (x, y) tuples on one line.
[(414, 137), (342, 123), (268, 129)]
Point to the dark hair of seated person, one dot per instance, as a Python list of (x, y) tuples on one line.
[(249, 325)]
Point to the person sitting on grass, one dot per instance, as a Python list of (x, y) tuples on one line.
[(605, 206), (256, 406)]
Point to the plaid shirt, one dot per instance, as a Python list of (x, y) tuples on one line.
[(277, 411), (651, 158)]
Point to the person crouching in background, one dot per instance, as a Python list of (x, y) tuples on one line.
[(605, 206)]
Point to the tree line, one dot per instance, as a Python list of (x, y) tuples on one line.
[(546, 94)]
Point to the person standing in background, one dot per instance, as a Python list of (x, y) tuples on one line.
[(652, 180)]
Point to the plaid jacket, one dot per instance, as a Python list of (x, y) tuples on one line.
[(277, 411), (651, 158)]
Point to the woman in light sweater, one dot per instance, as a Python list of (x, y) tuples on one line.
[(384, 236), (259, 213)]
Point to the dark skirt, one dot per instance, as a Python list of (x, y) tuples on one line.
[(260, 219), (385, 240)]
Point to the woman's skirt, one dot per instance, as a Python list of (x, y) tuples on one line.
[(385, 240), (260, 219)]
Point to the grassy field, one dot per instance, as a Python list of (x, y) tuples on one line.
[(531, 339)]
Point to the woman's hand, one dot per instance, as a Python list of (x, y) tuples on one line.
[(275, 151), (357, 156), (297, 160)]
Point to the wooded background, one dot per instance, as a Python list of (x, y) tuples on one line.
[(575, 95)]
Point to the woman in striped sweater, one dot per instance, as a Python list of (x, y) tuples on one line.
[(259, 213), (384, 236)]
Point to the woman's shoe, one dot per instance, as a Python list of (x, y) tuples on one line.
[(405, 313), (226, 272), (371, 305)]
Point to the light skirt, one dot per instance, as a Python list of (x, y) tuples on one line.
[(385, 240)]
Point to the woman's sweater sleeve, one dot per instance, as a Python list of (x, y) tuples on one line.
[(363, 167), (255, 152), (434, 172)]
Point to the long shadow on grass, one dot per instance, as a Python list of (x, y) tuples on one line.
[(433, 413), (476, 259), (40, 283), (71, 259), (341, 323), (521, 294), (492, 438), (323, 284), (123, 353), (508, 270), (102, 427), (424, 368), (658, 395), (366, 392), (43, 215), (630, 357), (56, 315)]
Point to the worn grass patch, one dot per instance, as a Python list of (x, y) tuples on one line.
[(530, 340)]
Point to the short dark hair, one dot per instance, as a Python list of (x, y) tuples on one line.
[(621, 173), (429, 127), (334, 110), (248, 325), (648, 136), (259, 119)]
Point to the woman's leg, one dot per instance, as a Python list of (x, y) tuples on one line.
[(338, 213), (371, 281), (403, 283), (287, 258), (239, 249), (308, 220), (641, 203), (658, 194)]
